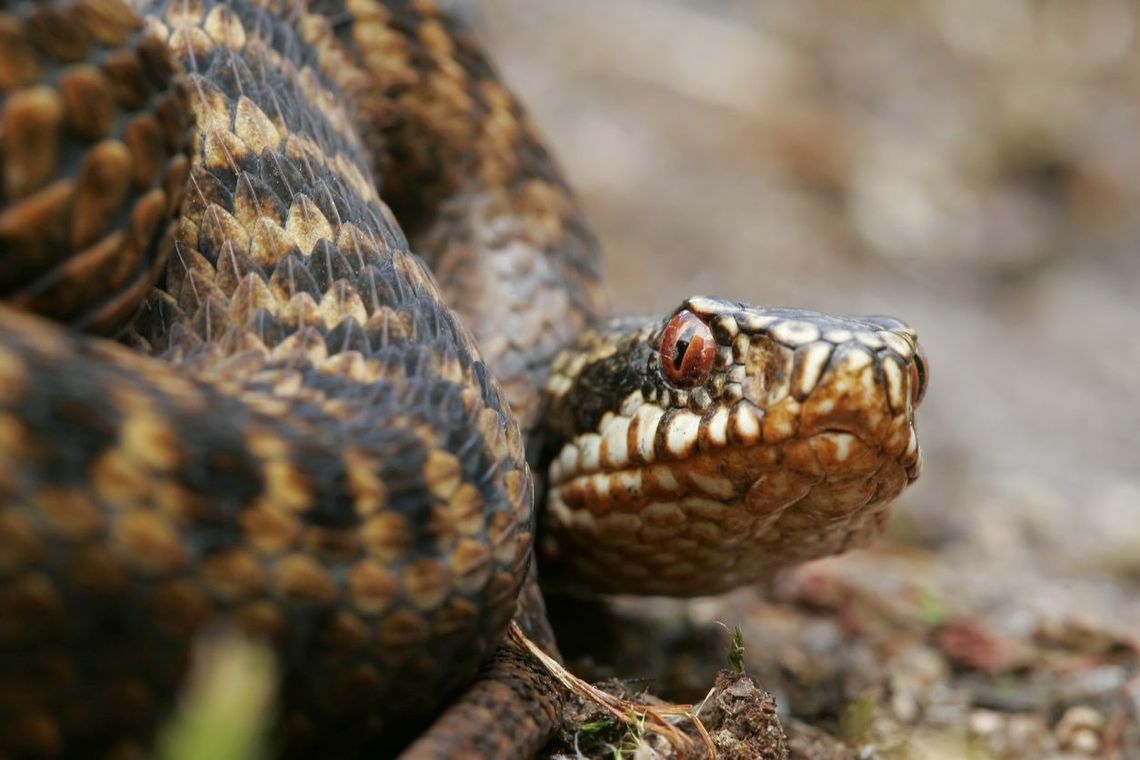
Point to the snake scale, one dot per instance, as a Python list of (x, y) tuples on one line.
[(231, 396)]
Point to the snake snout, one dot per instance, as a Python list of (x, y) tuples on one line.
[(919, 368)]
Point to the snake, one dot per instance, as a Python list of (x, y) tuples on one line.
[(304, 335)]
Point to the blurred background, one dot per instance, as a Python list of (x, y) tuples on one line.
[(969, 166)]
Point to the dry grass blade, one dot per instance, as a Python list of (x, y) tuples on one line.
[(623, 710)]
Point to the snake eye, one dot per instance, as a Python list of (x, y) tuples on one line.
[(687, 350), (919, 376)]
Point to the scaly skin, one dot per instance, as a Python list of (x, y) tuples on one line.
[(790, 446), (305, 443), (319, 456)]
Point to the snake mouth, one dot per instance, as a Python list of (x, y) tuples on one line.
[(763, 479), (721, 516)]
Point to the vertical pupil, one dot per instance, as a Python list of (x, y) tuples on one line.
[(679, 353)]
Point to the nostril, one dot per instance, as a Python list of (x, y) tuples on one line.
[(919, 375)]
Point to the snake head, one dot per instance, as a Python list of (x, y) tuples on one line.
[(725, 442)]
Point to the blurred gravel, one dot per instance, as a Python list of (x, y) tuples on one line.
[(972, 167)]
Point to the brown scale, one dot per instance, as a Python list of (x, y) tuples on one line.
[(297, 483), (304, 443), (457, 157), (94, 161)]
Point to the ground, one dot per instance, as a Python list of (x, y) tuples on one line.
[(973, 168)]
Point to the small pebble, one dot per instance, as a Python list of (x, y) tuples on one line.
[(1079, 729)]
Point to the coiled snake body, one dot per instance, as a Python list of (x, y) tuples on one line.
[(300, 439)]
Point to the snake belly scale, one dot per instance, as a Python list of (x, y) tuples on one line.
[(289, 431)]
